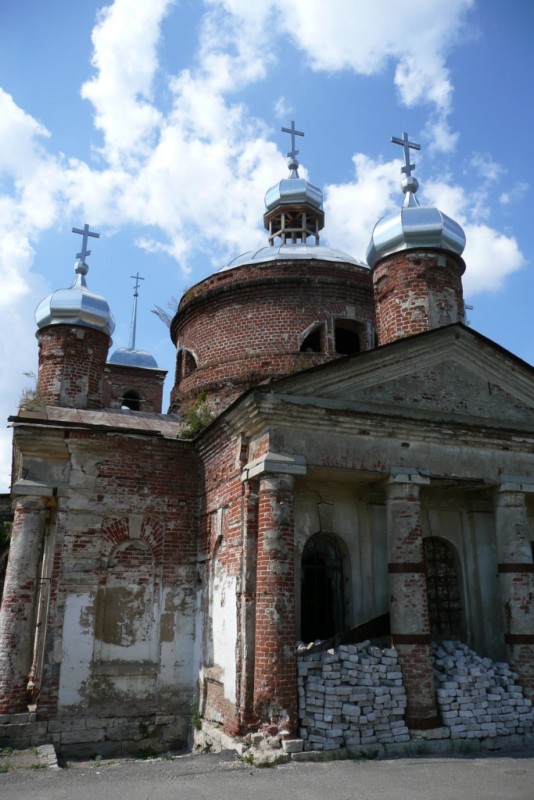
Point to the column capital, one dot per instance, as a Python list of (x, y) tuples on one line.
[(277, 463), (521, 484)]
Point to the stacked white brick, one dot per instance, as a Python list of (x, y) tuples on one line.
[(351, 696), (477, 697)]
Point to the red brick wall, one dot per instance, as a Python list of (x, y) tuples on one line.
[(148, 383), (243, 325), (415, 291), (71, 365), (148, 476)]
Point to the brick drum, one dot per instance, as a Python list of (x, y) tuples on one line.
[(243, 326)]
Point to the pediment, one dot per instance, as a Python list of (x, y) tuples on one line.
[(448, 373)]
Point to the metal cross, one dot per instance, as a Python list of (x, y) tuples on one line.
[(136, 278), (85, 233), (406, 145), (133, 326), (292, 130)]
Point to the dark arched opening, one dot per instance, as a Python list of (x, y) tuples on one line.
[(132, 400), (347, 337), (322, 600), (443, 589), (312, 343)]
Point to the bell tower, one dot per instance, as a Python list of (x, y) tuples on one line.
[(74, 328), (416, 264)]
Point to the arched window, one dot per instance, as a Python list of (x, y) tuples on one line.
[(313, 340), (322, 597), (186, 363), (443, 589), (347, 337), (190, 363), (132, 400)]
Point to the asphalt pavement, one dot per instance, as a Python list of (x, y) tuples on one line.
[(224, 776)]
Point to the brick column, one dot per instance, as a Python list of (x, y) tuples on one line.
[(275, 671), (17, 616), (516, 579), (410, 629), (247, 612)]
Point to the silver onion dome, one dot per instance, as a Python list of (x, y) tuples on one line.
[(126, 357), (76, 306), (413, 226), (293, 191)]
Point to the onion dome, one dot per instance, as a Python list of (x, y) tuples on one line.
[(413, 226), (76, 306), (294, 205), (126, 357)]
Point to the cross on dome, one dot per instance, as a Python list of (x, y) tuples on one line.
[(406, 145), (293, 153), (85, 233)]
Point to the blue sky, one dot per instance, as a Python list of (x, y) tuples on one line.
[(159, 125)]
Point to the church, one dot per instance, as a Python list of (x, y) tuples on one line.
[(343, 461)]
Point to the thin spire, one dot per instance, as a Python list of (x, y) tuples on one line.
[(136, 278)]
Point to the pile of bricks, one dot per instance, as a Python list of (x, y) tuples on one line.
[(477, 697), (350, 696)]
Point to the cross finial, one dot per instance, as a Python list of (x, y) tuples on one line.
[(406, 145), (293, 153), (85, 233), (136, 278)]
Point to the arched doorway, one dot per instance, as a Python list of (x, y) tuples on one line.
[(322, 596), (443, 589)]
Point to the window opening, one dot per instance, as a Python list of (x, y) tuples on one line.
[(190, 363), (443, 588), (322, 600), (347, 337), (312, 342), (132, 400)]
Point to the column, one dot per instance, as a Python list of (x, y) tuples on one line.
[(410, 628), (247, 608), (275, 671), (516, 579), (17, 616)]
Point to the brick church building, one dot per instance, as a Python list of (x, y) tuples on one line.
[(342, 455)]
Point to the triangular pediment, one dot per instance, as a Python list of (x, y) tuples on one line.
[(448, 373)]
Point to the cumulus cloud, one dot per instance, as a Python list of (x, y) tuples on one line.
[(365, 37)]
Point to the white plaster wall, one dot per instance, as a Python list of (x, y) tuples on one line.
[(78, 642), (224, 629)]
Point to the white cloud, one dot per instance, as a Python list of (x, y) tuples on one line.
[(365, 37), (352, 209), (490, 257), (515, 194), (125, 58)]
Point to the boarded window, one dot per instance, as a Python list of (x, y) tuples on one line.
[(443, 589), (322, 600)]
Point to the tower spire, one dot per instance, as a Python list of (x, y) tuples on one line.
[(133, 327)]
